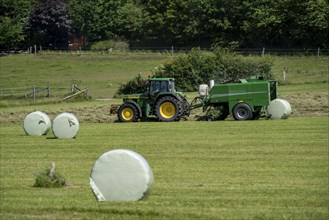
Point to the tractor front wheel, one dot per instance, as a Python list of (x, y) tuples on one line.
[(168, 109), (127, 113), (242, 111)]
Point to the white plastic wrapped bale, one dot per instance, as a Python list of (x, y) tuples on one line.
[(65, 125), (121, 175), (279, 109), (37, 123)]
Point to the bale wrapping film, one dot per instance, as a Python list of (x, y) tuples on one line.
[(65, 125), (37, 123), (279, 109), (121, 175)]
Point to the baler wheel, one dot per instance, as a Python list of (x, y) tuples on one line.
[(242, 111), (127, 113)]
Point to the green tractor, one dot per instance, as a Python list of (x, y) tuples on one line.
[(161, 100)]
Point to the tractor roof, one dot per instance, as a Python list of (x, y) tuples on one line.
[(161, 79)]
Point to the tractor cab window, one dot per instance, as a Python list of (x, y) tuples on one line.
[(164, 86), (171, 86), (155, 86)]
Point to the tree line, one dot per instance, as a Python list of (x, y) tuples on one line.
[(229, 23)]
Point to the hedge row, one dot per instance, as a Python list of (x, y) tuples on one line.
[(198, 67)]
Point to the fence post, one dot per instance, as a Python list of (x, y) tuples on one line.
[(284, 74), (73, 86), (48, 89), (33, 92), (35, 49), (263, 52), (318, 51), (172, 50)]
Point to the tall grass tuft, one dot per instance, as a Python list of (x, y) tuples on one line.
[(49, 178)]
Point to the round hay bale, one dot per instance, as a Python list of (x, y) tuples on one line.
[(37, 123), (279, 109), (121, 175), (65, 125)]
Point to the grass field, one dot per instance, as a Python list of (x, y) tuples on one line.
[(262, 169), (306, 86), (301, 70), (102, 73), (265, 169)]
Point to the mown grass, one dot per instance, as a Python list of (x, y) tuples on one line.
[(266, 169), (222, 170)]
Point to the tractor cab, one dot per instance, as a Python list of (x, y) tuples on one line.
[(158, 85)]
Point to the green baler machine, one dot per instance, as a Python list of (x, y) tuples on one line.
[(245, 99)]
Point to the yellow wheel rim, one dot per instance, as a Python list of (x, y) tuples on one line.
[(167, 110), (127, 114)]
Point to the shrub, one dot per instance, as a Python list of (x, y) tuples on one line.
[(198, 67), (232, 67), (44, 180), (136, 85), (190, 70)]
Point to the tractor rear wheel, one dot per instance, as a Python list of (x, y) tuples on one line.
[(168, 109), (127, 113), (242, 111), (185, 109)]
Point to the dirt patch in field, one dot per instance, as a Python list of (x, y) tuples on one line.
[(302, 104)]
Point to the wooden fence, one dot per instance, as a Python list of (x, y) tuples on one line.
[(34, 93)]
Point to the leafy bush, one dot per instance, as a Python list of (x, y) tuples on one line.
[(43, 180), (136, 85), (198, 67), (110, 44), (232, 66), (190, 70)]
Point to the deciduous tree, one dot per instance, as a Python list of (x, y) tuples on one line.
[(49, 24), (13, 19)]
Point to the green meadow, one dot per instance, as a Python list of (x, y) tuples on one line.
[(264, 169), (103, 73)]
